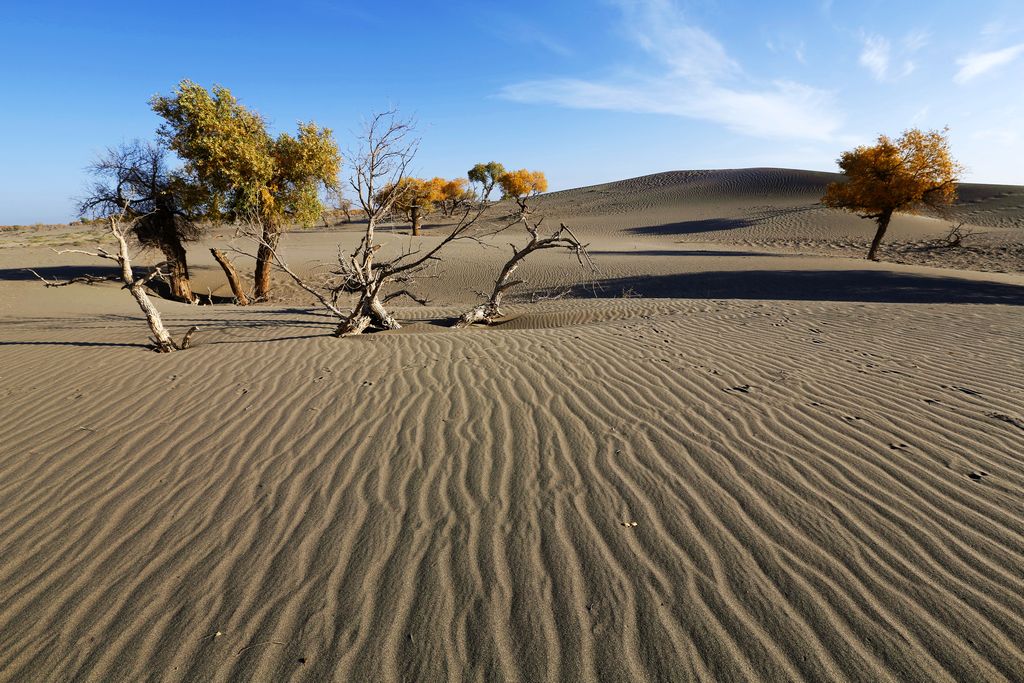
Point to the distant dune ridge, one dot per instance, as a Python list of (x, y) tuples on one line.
[(738, 452)]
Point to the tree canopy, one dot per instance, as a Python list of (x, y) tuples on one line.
[(247, 173), (486, 175), (522, 183), (455, 193)]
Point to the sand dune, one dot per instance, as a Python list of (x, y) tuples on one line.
[(772, 466), (779, 209)]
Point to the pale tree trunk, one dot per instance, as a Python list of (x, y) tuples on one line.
[(380, 315), (369, 310), (490, 310), (883, 225), (232, 276), (162, 340)]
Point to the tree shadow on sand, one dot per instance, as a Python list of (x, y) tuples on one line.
[(684, 252), (719, 224), (693, 227), (869, 286), (59, 273)]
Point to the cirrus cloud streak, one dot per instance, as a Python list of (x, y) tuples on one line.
[(697, 79)]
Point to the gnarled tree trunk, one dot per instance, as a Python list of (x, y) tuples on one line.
[(265, 260), (369, 311), (490, 310), (177, 266), (417, 220), (883, 225)]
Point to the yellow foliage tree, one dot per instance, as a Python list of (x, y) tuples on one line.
[(415, 198), (907, 174), (454, 194), (522, 183), (247, 173)]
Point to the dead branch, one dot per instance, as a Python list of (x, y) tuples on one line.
[(254, 232), (957, 234), (232, 276), (379, 168), (405, 292), (77, 280), (563, 238)]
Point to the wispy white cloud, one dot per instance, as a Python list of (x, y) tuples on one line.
[(699, 80), (877, 55), (916, 40), (516, 29), (977, 63), (781, 109), (1003, 27), (921, 116), (660, 28), (783, 45), (799, 53), (1000, 136)]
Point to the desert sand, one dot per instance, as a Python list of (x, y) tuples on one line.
[(738, 452)]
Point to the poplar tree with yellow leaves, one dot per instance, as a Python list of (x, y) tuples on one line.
[(911, 173), (248, 174), (521, 184), (414, 198)]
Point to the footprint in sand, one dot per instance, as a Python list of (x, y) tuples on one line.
[(898, 446), (965, 390), (1008, 419), (977, 476)]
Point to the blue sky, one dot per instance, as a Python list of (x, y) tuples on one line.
[(586, 91)]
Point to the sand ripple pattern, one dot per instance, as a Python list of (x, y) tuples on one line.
[(623, 490)]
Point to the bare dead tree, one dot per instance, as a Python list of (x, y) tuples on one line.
[(369, 279), (562, 238), (387, 148), (379, 167), (134, 180), (161, 339)]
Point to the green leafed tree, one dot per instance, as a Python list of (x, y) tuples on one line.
[(486, 176), (247, 173)]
